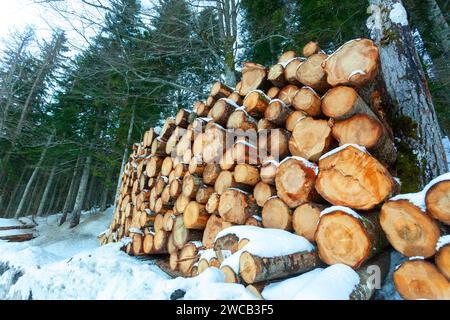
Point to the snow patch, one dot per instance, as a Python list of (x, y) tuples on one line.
[(398, 14), (287, 289), (304, 161), (338, 149), (340, 208), (334, 283), (355, 72), (443, 241)]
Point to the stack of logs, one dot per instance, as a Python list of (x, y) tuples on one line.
[(321, 166)]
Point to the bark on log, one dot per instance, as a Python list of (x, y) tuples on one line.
[(182, 118), (220, 90), (222, 110), (255, 269)]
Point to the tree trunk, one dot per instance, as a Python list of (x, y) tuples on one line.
[(32, 178), (51, 177), (422, 155), (70, 193), (76, 213)]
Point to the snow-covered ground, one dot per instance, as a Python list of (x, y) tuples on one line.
[(63, 263)]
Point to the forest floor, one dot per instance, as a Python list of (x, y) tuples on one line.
[(63, 263)]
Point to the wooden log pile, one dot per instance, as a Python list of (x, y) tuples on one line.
[(17, 230), (308, 171)]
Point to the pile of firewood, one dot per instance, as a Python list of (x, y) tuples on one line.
[(17, 230), (311, 155)]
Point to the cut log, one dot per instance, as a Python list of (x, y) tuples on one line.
[(255, 103), (148, 243), (240, 119), (290, 70), (343, 236), (137, 244), (276, 75), (311, 73), (264, 124), (149, 136), (255, 269), (305, 219), (442, 258), (310, 48), (210, 101), (262, 192), (220, 90), (224, 181), (308, 101), (246, 152), (180, 169), (295, 181), (168, 221), (292, 120), (158, 147), (182, 118), (222, 110), (268, 171), (213, 143), (191, 184), (272, 93), (253, 77), (171, 247), (236, 98), (200, 109), (203, 194), (310, 139), (246, 174), (160, 241), (286, 56), (210, 174), (356, 123), (226, 244), (419, 279), (277, 215), (214, 225), (212, 205), (181, 234), (196, 166), (288, 93), (354, 63), (173, 261), (175, 188), (195, 216), (166, 166), (437, 199), (277, 112), (187, 258), (349, 176), (153, 166), (181, 203), (409, 229), (236, 206), (230, 275)]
